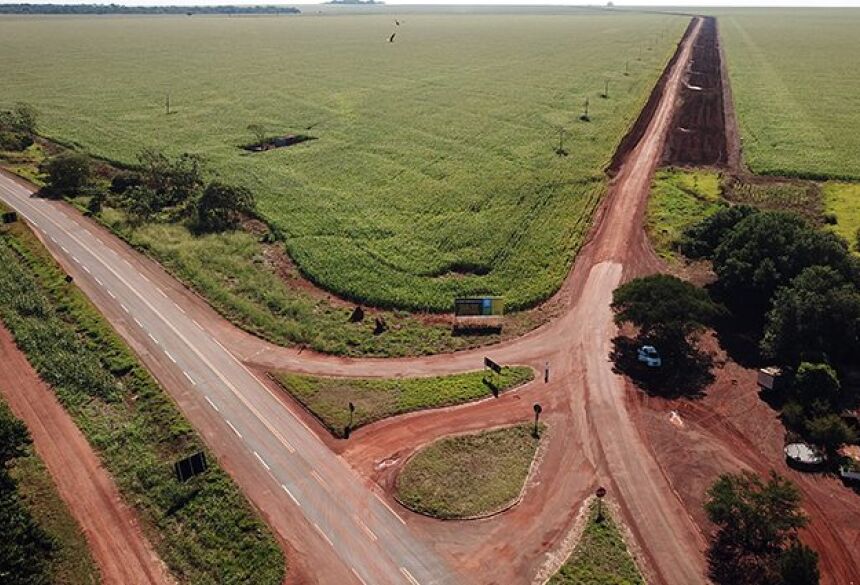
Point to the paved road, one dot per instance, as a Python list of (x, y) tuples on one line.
[(371, 540)]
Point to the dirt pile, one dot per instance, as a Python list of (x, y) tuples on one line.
[(698, 135)]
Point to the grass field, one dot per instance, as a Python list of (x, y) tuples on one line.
[(204, 529), (70, 562), (680, 198), (795, 80), (434, 173), (377, 398), (468, 475), (600, 557)]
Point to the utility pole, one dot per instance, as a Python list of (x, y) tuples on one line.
[(605, 88), (560, 150), (167, 103)]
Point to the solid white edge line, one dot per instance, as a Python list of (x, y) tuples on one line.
[(390, 509), (357, 576), (190, 379), (324, 535), (212, 404), (238, 434), (262, 461), (409, 576), (292, 497)]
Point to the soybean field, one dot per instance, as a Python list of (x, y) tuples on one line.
[(795, 76), (433, 169)]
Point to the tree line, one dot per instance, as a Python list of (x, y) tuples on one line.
[(795, 290), (120, 9), (25, 549), (159, 188)]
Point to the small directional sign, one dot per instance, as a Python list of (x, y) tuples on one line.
[(488, 363)]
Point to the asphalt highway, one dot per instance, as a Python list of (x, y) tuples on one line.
[(368, 536)]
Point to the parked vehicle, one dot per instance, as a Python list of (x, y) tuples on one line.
[(649, 356)]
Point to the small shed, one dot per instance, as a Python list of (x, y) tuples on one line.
[(803, 455), (770, 378)]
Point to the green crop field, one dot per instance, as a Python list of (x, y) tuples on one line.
[(433, 173), (796, 86)]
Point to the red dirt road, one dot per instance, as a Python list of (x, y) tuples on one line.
[(118, 545)]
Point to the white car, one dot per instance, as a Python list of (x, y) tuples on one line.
[(649, 356)]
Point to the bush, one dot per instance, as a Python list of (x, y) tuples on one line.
[(67, 174), (700, 240), (221, 207), (14, 141), (123, 181)]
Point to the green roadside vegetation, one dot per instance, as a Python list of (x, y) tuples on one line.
[(42, 544), (204, 529), (843, 201), (469, 475), (600, 557), (377, 398), (370, 209), (679, 198)]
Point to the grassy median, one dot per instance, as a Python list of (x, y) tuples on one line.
[(204, 529), (377, 398), (600, 558), (468, 475)]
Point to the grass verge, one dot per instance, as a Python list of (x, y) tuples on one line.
[(203, 529), (70, 562), (680, 198), (377, 398), (600, 558), (843, 201), (468, 475)]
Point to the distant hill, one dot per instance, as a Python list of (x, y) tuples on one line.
[(118, 9), (354, 2)]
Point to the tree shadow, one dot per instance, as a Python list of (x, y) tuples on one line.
[(685, 373)]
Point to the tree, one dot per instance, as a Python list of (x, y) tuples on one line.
[(830, 432), (768, 249), (173, 181), (68, 174), (17, 127), (816, 382), (221, 206), (798, 565), (24, 548), (756, 525), (700, 240), (816, 316), (664, 307), (259, 132)]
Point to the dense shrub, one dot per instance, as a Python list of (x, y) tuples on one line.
[(67, 174), (221, 206)]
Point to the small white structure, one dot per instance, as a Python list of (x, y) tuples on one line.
[(803, 455), (769, 378), (648, 355)]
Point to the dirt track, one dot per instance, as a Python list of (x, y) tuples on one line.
[(118, 545)]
